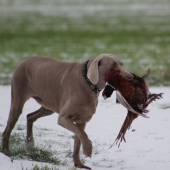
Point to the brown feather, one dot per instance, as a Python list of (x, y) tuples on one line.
[(137, 95)]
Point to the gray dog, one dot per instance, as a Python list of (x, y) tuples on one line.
[(70, 89)]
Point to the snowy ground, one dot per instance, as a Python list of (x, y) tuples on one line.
[(148, 140)]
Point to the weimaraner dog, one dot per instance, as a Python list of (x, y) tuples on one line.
[(70, 89)]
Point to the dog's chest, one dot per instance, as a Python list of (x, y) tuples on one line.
[(84, 115), (82, 118)]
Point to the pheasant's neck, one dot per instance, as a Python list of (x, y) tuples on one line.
[(112, 77)]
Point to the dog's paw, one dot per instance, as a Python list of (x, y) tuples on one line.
[(29, 143), (87, 149), (79, 164), (82, 166)]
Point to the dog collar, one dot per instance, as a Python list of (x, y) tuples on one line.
[(92, 86)]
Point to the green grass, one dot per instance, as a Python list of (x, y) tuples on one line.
[(57, 153), (43, 168), (18, 151), (165, 106), (138, 32)]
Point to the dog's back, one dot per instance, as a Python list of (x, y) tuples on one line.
[(47, 80)]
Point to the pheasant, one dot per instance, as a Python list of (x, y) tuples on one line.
[(134, 95)]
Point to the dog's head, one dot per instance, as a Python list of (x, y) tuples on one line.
[(106, 65)]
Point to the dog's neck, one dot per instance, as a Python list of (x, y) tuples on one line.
[(92, 86)]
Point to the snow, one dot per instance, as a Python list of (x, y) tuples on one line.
[(147, 145)]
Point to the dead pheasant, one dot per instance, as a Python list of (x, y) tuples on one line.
[(134, 95)]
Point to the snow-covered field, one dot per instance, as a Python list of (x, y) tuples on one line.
[(148, 140)]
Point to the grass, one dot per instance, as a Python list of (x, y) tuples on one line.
[(39, 154), (36, 167), (51, 151), (165, 106), (137, 32), (43, 168)]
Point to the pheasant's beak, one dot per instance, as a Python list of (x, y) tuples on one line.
[(123, 101), (105, 97)]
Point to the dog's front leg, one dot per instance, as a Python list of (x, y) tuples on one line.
[(67, 123), (77, 144)]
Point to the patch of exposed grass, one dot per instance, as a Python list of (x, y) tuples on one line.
[(16, 139), (36, 167), (165, 106), (36, 154), (165, 74), (44, 168), (20, 127)]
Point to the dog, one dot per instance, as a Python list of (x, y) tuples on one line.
[(70, 89)]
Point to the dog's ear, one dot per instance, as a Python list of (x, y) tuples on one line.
[(93, 71)]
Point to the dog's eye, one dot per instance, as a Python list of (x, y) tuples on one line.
[(99, 63), (114, 65)]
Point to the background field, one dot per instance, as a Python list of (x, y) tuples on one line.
[(138, 32)]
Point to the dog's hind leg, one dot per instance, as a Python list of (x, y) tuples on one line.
[(31, 118), (17, 104)]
